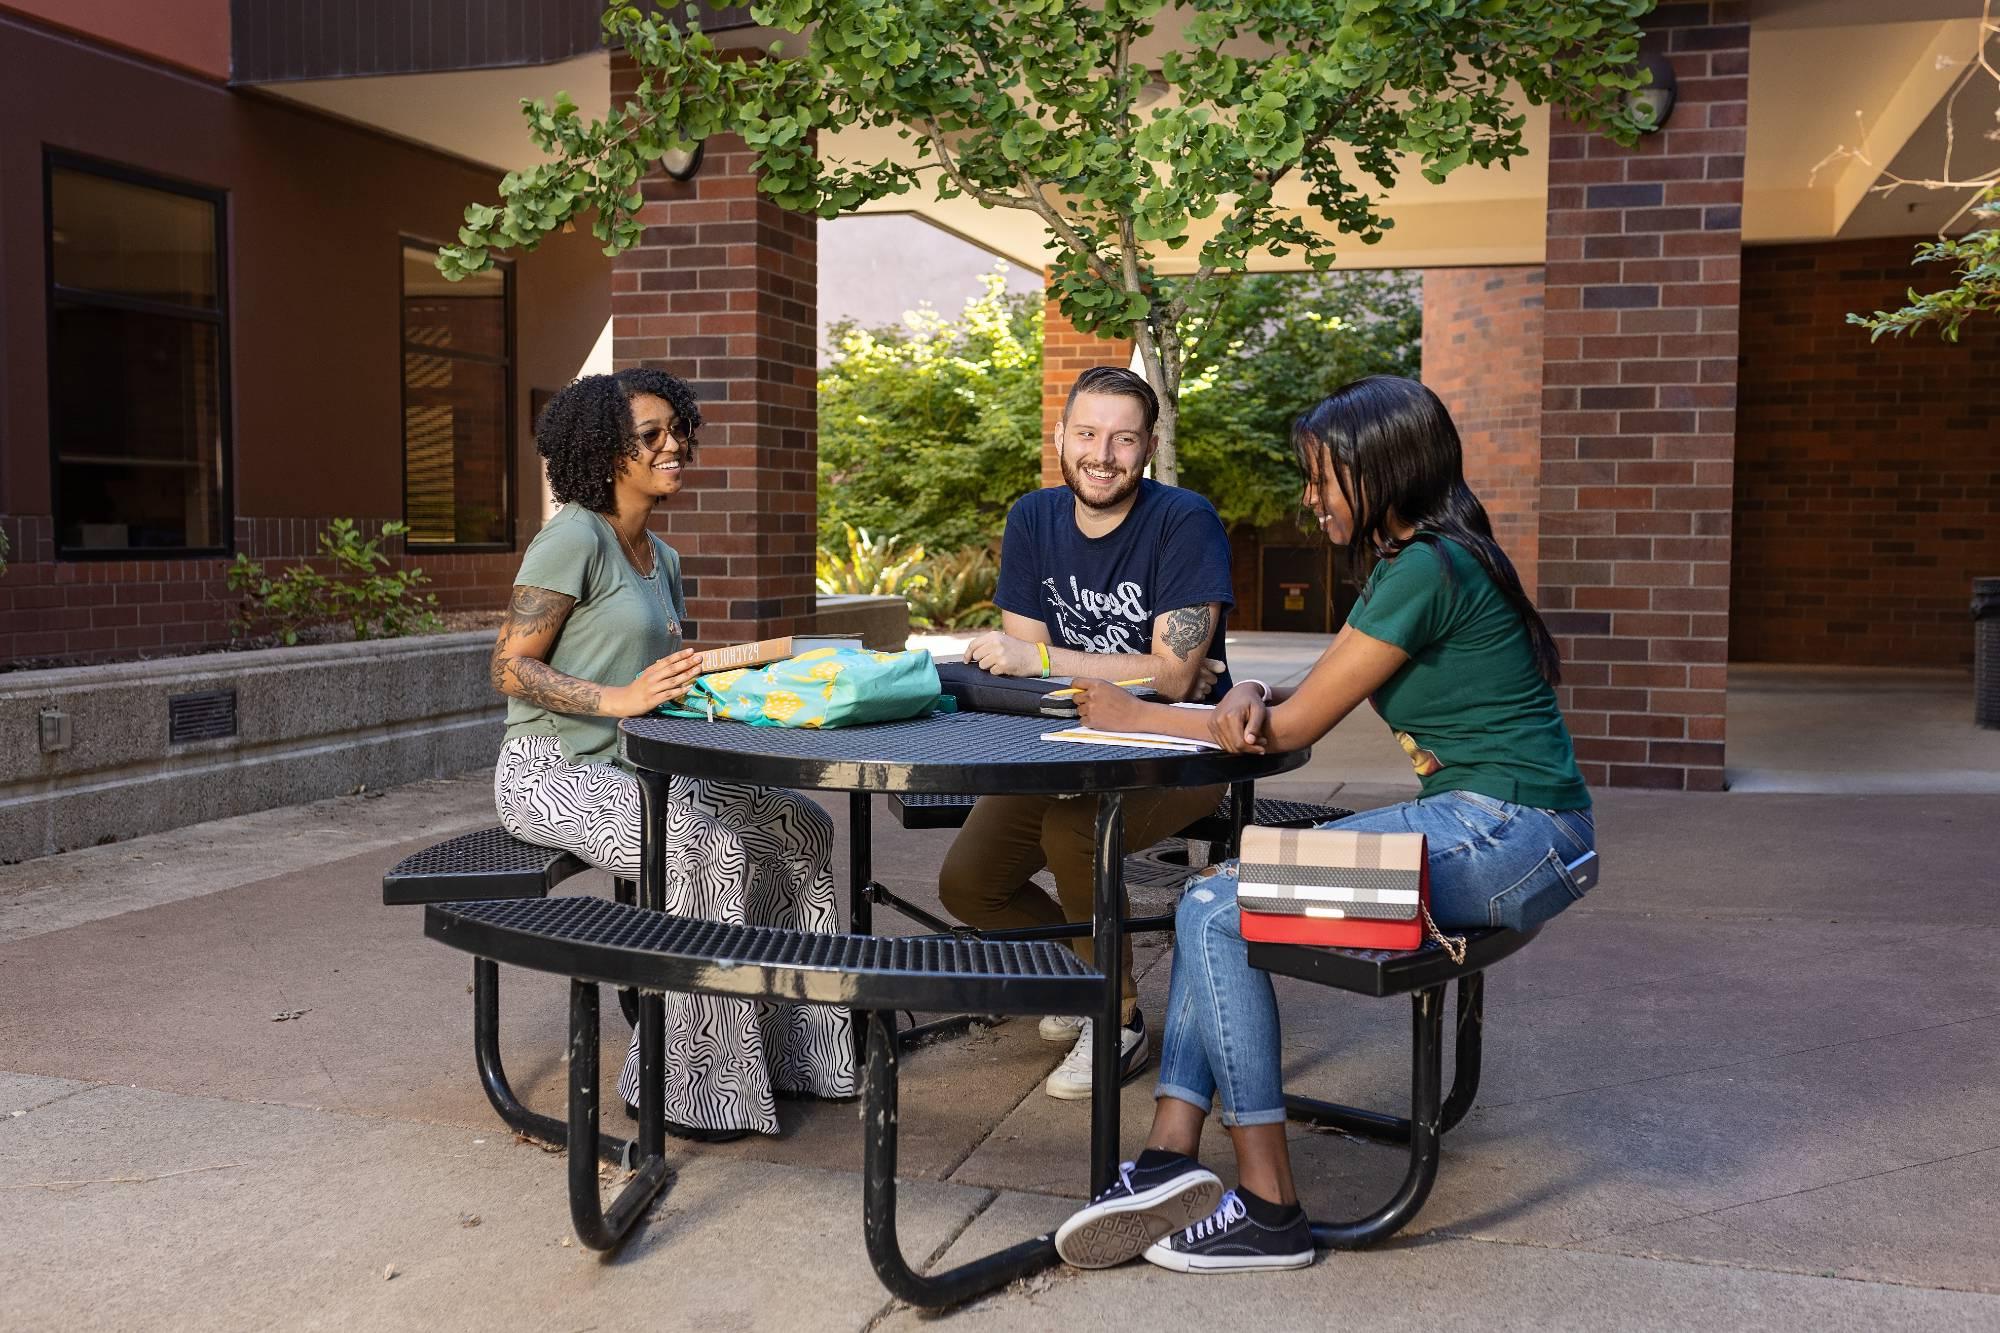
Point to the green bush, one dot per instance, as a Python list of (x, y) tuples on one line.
[(864, 564), (957, 591), (373, 604), (932, 430)]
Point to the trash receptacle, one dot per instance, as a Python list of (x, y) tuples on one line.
[(1986, 652)]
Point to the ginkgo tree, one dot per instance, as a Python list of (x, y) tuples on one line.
[(1164, 148)]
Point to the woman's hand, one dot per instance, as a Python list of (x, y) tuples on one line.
[(669, 678), (1108, 707), (1240, 723)]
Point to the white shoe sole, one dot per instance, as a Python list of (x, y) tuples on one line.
[(1078, 1092), (1057, 1028), (1200, 1263), (1113, 1233)]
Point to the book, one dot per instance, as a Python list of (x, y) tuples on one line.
[(765, 651), (1140, 739)]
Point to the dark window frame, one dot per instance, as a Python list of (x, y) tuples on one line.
[(508, 365), (59, 159)]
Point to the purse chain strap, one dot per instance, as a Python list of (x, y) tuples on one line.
[(1454, 945)]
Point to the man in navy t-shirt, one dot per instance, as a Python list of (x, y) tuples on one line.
[(1114, 576)]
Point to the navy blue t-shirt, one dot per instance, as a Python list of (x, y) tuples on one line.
[(1101, 594)]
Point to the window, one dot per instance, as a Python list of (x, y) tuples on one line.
[(458, 384), (138, 362)]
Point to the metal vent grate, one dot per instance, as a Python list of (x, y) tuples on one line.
[(210, 715)]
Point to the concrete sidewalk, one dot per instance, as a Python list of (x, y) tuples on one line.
[(1749, 1082)]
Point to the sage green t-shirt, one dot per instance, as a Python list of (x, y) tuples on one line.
[(1469, 708), (621, 623)]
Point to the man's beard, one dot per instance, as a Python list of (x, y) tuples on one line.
[(1073, 477)]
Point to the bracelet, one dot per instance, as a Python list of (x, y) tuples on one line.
[(1262, 688), (1043, 649)]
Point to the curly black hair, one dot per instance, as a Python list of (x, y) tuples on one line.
[(586, 429)]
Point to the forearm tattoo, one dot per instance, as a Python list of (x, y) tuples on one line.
[(532, 614), (542, 685), (1188, 630)]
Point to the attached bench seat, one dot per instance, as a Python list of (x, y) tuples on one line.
[(592, 940), (490, 863), (597, 940)]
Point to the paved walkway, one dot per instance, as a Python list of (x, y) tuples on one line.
[(1750, 1082)]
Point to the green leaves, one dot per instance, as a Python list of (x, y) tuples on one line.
[(1976, 260)]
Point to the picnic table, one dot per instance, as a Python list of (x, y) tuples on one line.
[(975, 754)]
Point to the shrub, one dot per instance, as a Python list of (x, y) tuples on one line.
[(373, 604), (883, 567), (957, 592)]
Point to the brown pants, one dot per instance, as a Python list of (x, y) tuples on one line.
[(986, 880)]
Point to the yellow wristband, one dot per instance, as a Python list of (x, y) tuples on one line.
[(1043, 649)]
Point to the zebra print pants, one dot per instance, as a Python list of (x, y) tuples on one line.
[(745, 855)]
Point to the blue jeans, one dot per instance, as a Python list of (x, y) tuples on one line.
[(1492, 863)]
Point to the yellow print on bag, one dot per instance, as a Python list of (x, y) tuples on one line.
[(723, 681), (781, 705)]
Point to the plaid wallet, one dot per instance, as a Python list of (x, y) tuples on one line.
[(1333, 888)]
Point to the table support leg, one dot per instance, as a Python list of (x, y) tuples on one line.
[(1108, 907), (599, 1227), (493, 1075), (1426, 1074), (878, 1203), (860, 862)]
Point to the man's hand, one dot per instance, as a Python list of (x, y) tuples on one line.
[(1239, 723), (1004, 655)]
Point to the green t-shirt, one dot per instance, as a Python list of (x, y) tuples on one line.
[(1469, 708), (621, 623)]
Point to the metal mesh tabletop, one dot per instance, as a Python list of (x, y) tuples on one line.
[(973, 753), (625, 945)]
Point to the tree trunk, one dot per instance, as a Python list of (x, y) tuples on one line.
[(1162, 365)]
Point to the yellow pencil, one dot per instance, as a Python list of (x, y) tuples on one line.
[(1077, 689)]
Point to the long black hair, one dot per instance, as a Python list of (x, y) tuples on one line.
[(586, 430), (1395, 452)]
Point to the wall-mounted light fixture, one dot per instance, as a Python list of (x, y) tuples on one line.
[(1652, 104), (681, 163)]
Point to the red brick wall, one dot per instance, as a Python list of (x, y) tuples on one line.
[(723, 291), (1065, 355), (59, 613), (1638, 427), (1867, 475), (1482, 355)]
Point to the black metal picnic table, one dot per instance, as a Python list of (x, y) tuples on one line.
[(962, 754)]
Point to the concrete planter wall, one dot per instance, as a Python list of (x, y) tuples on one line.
[(310, 722), (91, 754)]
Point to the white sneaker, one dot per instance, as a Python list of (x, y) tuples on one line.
[(1060, 1027), (1071, 1080)]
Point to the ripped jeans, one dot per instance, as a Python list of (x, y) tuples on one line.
[(1492, 863)]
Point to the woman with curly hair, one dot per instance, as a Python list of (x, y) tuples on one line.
[(593, 634)]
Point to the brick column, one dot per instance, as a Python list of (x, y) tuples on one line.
[(723, 292), (1483, 356), (1066, 354), (1639, 423)]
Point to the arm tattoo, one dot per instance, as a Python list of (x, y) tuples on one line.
[(535, 612), (1188, 630), (543, 686)]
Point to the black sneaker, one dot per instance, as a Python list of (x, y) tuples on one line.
[(1229, 1240), (1142, 1205)]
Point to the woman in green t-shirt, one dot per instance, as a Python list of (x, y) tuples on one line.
[(593, 634), (1447, 647)]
